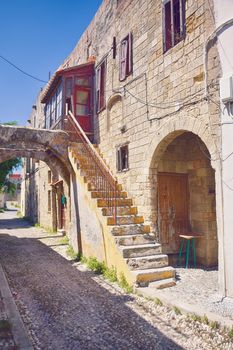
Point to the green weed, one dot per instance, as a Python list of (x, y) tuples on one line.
[(205, 319), (230, 333), (176, 310), (72, 254), (95, 265), (124, 284), (195, 317), (214, 325), (110, 274), (158, 302), (64, 240)]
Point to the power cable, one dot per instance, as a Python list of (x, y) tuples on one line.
[(21, 70)]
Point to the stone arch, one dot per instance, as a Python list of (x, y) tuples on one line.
[(175, 127), (163, 146), (46, 145)]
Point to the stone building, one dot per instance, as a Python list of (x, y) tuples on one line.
[(143, 83)]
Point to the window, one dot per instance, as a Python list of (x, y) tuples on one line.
[(49, 201), (59, 102), (122, 158), (100, 85), (173, 22), (53, 108), (126, 57), (49, 176)]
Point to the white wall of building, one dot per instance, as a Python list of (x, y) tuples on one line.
[(223, 11)]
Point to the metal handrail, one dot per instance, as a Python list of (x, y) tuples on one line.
[(99, 174)]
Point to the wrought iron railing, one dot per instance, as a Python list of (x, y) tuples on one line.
[(95, 169)]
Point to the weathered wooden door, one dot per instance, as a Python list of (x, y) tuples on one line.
[(172, 209)]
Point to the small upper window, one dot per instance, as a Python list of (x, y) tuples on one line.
[(173, 22), (126, 57), (122, 158), (100, 85)]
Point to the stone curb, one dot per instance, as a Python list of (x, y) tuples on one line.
[(184, 307), (18, 329)]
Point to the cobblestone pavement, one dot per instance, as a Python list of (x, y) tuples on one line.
[(6, 338), (64, 307)]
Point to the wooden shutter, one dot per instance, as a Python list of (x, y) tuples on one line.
[(123, 59), (98, 81), (102, 84), (130, 54)]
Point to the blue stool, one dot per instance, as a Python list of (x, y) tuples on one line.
[(190, 239)]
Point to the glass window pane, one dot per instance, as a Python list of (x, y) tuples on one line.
[(82, 81), (82, 97), (81, 110)]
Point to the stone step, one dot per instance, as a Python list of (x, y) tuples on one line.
[(125, 220), (91, 186), (141, 250), (120, 211), (120, 202), (111, 194), (135, 239), (130, 230), (144, 277), (148, 262), (161, 284)]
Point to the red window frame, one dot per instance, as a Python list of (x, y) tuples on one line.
[(125, 64), (101, 85), (173, 23)]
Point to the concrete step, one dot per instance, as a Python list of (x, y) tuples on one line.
[(135, 239), (106, 194), (120, 202), (144, 277), (142, 250), (130, 230), (161, 284), (125, 220), (148, 262), (120, 211)]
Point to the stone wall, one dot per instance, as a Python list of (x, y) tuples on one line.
[(173, 84)]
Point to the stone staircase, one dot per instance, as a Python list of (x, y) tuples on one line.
[(133, 238)]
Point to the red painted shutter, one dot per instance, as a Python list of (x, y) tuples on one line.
[(102, 84), (98, 78), (130, 54), (167, 26)]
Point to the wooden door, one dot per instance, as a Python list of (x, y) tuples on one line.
[(83, 108), (172, 209)]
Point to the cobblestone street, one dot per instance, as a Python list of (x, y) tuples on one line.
[(65, 308)]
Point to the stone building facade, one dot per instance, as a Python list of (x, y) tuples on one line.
[(155, 115)]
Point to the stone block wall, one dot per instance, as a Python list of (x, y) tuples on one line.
[(172, 83)]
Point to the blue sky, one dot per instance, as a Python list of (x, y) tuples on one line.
[(36, 36)]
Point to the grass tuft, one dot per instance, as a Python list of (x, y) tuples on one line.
[(176, 310), (95, 265), (124, 284), (158, 302)]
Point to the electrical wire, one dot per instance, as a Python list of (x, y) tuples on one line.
[(21, 70)]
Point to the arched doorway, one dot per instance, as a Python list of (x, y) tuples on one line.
[(184, 196)]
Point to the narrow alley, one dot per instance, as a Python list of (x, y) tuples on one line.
[(65, 308)]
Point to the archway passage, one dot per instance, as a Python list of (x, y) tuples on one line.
[(185, 197)]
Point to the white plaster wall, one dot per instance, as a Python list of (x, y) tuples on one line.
[(224, 12)]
